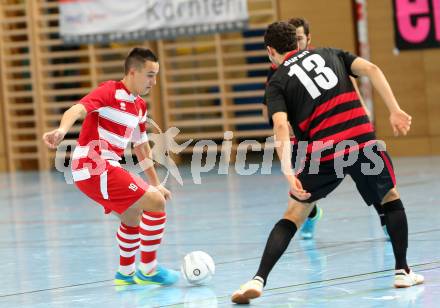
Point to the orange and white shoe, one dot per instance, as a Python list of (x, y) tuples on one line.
[(250, 290), (402, 279)]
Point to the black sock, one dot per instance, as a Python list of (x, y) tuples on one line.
[(313, 212), (280, 237), (380, 212), (397, 227)]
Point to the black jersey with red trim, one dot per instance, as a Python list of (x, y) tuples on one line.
[(314, 89), (273, 69), (270, 73)]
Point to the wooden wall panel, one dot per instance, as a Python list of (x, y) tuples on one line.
[(214, 83), (331, 21), (208, 84), (431, 70), (3, 157), (42, 77), (414, 77), (19, 85)]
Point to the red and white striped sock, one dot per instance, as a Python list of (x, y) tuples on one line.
[(128, 240), (150, 230)]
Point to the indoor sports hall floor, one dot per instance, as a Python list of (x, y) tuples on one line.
[(57, 249)]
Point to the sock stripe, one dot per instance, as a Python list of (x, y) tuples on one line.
[(129, 241), (148, 266), (128, 254), (150, 248), (153, 242), (151, 237), (150, 232), (154, 215), (128, 229), (122, 238), (153, 222), (134, 248), (124, 246), (151, 228), (127, 236)]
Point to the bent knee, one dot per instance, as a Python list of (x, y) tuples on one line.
[(392, 195), (131, 216), (133, 211), (297, 212), (153, 201), (296, 219)]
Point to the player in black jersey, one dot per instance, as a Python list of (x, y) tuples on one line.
[(312, 92), (304, 40)]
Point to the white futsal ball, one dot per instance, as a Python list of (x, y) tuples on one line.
[(197, 267)]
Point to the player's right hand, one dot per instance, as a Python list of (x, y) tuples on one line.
[(297, 190), (400, 122), (53, 138)]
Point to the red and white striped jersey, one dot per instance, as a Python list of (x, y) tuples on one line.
[(114, 118)]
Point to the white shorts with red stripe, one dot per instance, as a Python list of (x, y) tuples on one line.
[(115, 188)]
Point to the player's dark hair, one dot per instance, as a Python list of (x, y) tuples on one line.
[(137, 58), (300, 22), (281, 36)]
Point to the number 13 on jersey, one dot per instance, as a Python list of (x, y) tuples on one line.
[(325, 79)]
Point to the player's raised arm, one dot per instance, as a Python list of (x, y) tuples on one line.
[(399, 119), (53, 138)]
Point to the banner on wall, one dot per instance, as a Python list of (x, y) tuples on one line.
[(417, 24), (99, 21)]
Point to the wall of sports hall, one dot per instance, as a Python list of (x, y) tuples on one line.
[(208, 84)]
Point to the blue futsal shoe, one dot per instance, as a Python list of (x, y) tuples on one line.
[(308, 228), (162, 276), (123, 280)]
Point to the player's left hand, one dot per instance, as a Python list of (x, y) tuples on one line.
[(400, 122), (297, 189)]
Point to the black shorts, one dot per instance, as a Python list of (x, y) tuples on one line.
[(372, 172)]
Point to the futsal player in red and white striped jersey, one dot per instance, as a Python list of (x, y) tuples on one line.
[(116, 115)]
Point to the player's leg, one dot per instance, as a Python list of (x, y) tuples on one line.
[(111, 190), (146, 208), (308, 228), (142, 225), (279, 238), (397, 226), (380, 187), (380, 212), (129, 241), (281, 235), (319, 185), (151, 207), (128, 195)]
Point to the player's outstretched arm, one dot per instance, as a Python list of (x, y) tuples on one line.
[(53, 138), (399, 119), (281, 130), (356, 88)]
